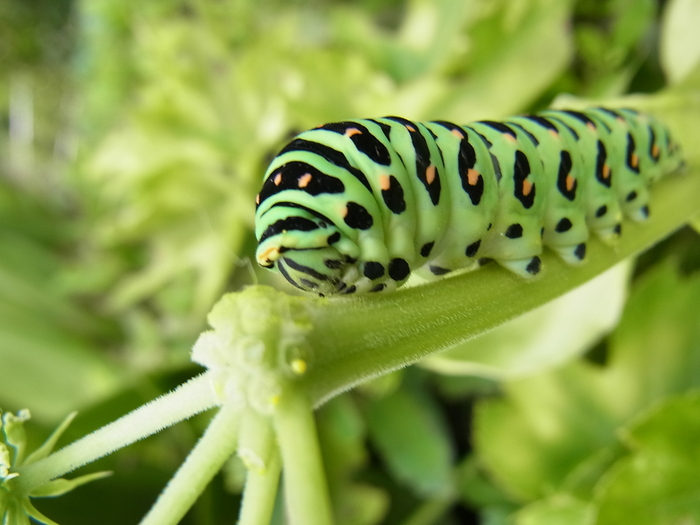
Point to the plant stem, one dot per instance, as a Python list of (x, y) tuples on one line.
[(410, 324), (260, 493), (185, 401), (306, 490), (206, 459)]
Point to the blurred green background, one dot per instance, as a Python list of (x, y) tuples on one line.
[(133, 138)]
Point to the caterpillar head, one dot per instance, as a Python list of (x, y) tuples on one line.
[(301, 247)]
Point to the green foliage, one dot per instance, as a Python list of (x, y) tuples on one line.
[(405, 427), (13, 454), (133, 138), (562, 427)]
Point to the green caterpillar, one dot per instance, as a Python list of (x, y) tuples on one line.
[(357, 206)]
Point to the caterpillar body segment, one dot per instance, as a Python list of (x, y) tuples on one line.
[(357, 206)]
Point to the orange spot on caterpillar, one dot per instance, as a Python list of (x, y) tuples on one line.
[(527, 187), (457, 133), (278, 179), (257, 199), (410, 128), (606, 171), (591, 126), (352, 131), (271, 254), (510, 138), (655, 151), (570, 181), (430, 174), (384, 182), (473, 177), (634, 161), (344, 212), (304, 180), (554, 133)]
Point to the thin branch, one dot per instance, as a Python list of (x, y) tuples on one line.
[(193, 397), (206, 459)]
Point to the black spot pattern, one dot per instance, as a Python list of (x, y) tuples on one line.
[(427, 248), (568, 128), (631, 196), (542, 121), (289, 175), (565, 166), (496, 167), (420, 146), (386, 128), (610, 112), (473, 249), (358, 217), (652, 143), (290, 223), (499, 126), (534, 266), (394, 197), (521, 170), (529, 135), (333, 264), (378, 288), (438, 270), (580, 117), (365, 142), (580, 251), (332, 239), (514, 231), (307, 283), (297, 206), (332, 155), (631, 153), (466, 161), (601, 211), (645, 211), (305, 269), (285, 274), (373, 270), (564, 225), (601, 157), (398, 269)]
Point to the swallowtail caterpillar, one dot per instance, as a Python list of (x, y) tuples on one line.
[(357, 206)]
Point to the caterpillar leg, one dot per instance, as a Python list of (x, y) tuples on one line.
[(640, 214), (527, 268), (609, 235), (572, 255)]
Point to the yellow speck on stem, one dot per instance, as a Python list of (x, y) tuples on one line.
[(298, 366)]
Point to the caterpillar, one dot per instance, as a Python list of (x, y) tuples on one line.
[(357, 206)]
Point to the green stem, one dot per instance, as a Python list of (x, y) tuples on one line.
[(306, 490), (197, 395), (260, 493), (207, 457), (348, 333)]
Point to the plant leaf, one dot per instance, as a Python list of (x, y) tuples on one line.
[(552, 422), (659, 482)]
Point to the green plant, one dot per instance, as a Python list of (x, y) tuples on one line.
[(546, 451)]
